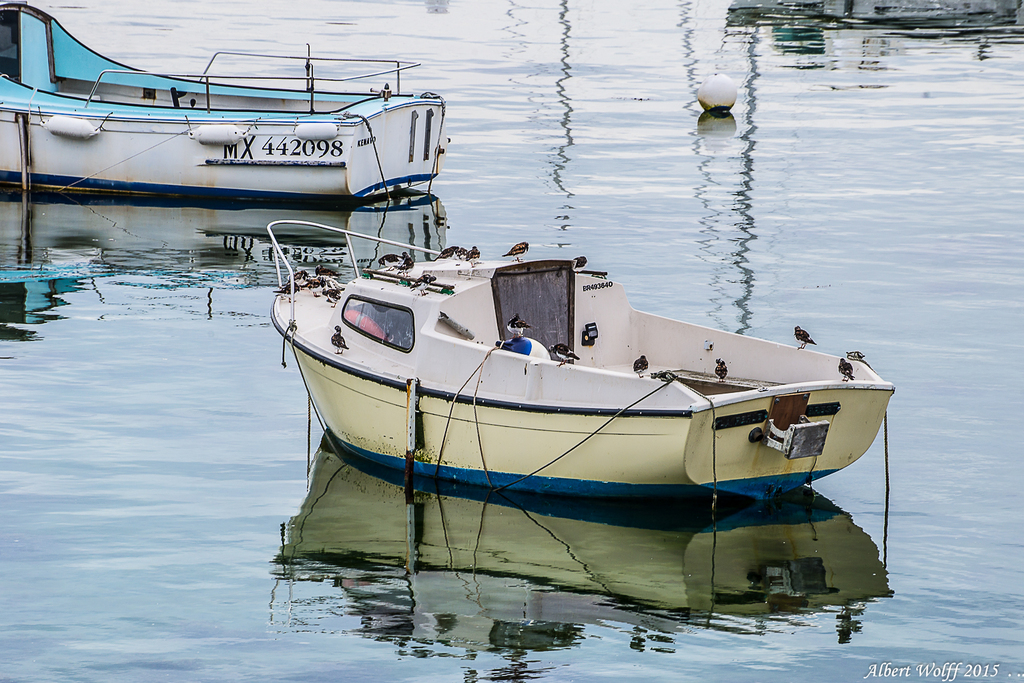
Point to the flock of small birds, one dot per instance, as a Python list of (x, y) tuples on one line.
[(321, 282), (322, 279)]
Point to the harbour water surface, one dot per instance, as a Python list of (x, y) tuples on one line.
[(156, 519)]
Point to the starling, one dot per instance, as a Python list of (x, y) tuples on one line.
[(406, 263), (518, 250), (721, 369), (388, 260), (563, 353), (421, 283), (338, 340), (845, 369), (802, 336), (517, 326)]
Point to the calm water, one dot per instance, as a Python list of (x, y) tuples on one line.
[(868, 189)]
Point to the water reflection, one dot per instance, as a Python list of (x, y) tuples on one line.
[(532, 573), (908, 14), (52, 244)]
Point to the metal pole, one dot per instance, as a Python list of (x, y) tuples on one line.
[(410, 392), (23, 139)]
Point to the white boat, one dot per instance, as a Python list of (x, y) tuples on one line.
[(472, 572), (72, 120), (422, 376)]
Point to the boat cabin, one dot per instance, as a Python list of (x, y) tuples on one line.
[(38, 53)]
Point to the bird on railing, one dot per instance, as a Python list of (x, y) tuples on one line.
[(722, 370), (563, 353), (579, 263), (518, 250), (338, 340), (421, 283), (845, 369), (802, 336), (639, 365), (406, 263), (388, 260), (517, 326)]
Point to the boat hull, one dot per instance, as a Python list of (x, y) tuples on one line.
[(149, 155), (572, 452)]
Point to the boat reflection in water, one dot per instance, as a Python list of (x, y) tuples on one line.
[(521, 572), (53, 244)]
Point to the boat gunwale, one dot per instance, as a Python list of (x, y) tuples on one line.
[(713, 404), (67, 104)]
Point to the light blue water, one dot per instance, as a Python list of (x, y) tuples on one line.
[(151, 445)]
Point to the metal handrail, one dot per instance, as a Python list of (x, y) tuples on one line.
[(279, 254), (205, 76)]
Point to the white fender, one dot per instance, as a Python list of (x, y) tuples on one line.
[(322, 130), (70, 127), (217, 134)]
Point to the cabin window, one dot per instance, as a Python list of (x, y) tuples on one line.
[(9, 40), (386, 323)]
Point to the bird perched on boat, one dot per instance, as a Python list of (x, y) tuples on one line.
[(406, 263), (802, 336), (518, 250), (324, 271), (421, 283), (640, 364), (857, 356), (579, 263), (517, 326), (449, 252), (388, 260), (333, 294), (299, 280), (845, 369), (722, 370), (473, 254), (338, 340), (563, 353)]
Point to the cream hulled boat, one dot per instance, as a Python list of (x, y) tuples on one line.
[(422, 376)]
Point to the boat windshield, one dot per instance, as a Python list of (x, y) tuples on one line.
[(386, 323)]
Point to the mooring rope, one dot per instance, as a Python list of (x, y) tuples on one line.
[(885, 530), (451, 409), (102, 170), (373, 141), (665, 383)]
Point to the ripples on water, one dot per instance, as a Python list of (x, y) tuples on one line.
[(868, 188)]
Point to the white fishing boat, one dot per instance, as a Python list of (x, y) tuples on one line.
[(72, 120), (431, 370)]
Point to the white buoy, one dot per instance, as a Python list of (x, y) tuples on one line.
[(717, 93)]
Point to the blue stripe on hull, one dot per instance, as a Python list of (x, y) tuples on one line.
[(759, 487), (73, 184)]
